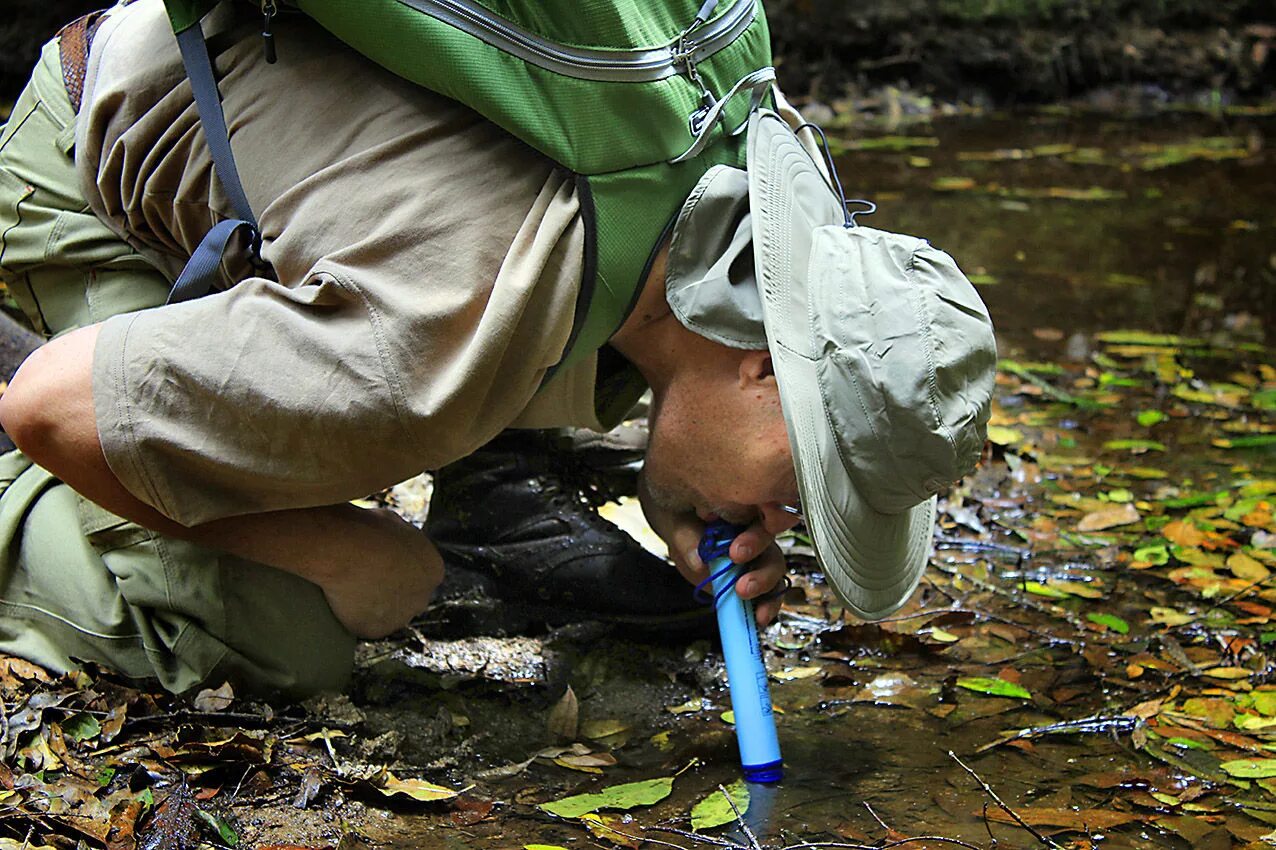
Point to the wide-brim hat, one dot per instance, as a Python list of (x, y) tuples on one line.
[(882, 350)]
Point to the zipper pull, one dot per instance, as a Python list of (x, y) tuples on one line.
[(268, 12)]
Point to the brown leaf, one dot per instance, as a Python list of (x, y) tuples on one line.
[(1183, 533), (212, 700), (1109, 517), (466, 812), (564, 718), (123, 821), (173, 827)]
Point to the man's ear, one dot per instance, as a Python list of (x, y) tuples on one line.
[(756, 369)]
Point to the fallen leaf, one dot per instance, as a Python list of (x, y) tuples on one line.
[(994, 687), (1229, 673), (417, 789), (564, 717), (608, 827), (1244, 567), (1109, 517), (623, 797), (1110, 621), (715, 810), (213, 700), (1250, 768), (1183, 533)]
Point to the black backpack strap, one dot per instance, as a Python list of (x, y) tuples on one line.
[(200, 273)]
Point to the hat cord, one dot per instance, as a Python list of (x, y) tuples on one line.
[(848, 216)]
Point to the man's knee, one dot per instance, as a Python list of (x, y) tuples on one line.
[(47, 409)]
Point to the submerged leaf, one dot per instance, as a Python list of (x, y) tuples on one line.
[(1113, 516), (1110, 621), (1250, 768), (994, 687), (626, 796), (715, 810)]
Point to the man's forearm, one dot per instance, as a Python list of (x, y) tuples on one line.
[(376, 569)]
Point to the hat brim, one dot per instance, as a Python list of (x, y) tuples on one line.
[(872, 560)]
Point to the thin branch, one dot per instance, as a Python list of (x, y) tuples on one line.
[(1000, 804), (695, 836), (880, 822), (739, 817), (898, 843)]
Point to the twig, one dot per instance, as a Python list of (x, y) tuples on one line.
[(1000, 804), (695, 836), (880, 822), (739, 817), (898, 843), (1096, 723), (930, 612), (981, 546)]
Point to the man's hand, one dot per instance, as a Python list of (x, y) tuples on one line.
[(754, 547)]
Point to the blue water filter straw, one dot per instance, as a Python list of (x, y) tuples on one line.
[(746, 672)]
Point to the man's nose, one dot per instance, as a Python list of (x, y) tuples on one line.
[(778, 517)]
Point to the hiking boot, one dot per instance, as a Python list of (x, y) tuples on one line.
[(513, 525)]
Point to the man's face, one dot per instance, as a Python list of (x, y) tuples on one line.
[(720, 448)]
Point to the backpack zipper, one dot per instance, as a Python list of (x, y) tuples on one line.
[(640, 65)]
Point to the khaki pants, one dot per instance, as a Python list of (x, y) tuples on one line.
[(76, 582)]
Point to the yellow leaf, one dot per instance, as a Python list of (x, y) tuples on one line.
[(1003, 436), (417, 789), (1245, 567), (797, 673), (1183, 533), (1228, 673), (602, 728), (1109, 517)]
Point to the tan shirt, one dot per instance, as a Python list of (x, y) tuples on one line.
[(428, 269)]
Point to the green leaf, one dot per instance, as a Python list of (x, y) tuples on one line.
[(1144, 338), (714, 810), (147, 799), (1266, 638), (1046, 590), (543, 847), (1134, 445), (1112, 621), (1187, 743), (1264, 702), (81, 727), (1157, 555), (104, 776), (1148, 418), (1250, 768), (994, 687), (622, 797), (1253, 441), (228, 835)]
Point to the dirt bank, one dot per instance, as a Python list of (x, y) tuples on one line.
[(1014, 51), (995, 51)]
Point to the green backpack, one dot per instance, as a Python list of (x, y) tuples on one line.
[(637, 98)]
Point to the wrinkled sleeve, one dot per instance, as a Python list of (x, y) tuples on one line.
[(425, 286)]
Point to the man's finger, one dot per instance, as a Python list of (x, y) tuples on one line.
[(750, 543), (768, 611), (684, 543), (764, 574)]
